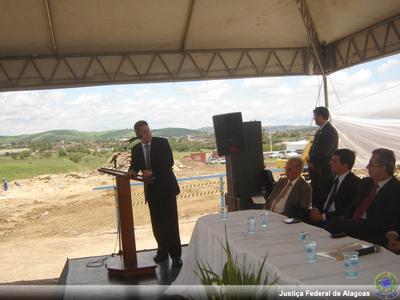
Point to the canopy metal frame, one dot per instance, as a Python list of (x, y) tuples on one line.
[(61, 69)]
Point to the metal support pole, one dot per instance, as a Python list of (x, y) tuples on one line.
[(221, 190), (326, 91), (270, 139)]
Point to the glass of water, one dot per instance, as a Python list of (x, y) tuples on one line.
[(350, 264), (251, 225), (310, 250), (224, 212), (304, 235), (263, 219)]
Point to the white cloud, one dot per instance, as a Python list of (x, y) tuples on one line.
[(387, 65), (262, 82), (273, 101), (344, 78), (144, 92)]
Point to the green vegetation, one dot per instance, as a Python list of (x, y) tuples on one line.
[(233, 275), (20, 169), (191, 146), (60, 151), (174, 132), (79, 136)]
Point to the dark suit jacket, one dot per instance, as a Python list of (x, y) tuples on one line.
[(161, 162), (324, 144), (268, 182), (344, 195), (298, 201), (381, 217)]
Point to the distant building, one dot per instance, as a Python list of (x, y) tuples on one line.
[(199, 156), (215, 155), (295, 146), (13, 151)]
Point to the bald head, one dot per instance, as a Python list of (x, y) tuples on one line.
[(293, 168)]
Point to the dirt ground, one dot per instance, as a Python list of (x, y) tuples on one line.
[(47, 219)]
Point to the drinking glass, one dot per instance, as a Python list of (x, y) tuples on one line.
[(310, 250), (303, 235), (263, 219), (224, 212), (251, 225), (350, 264)]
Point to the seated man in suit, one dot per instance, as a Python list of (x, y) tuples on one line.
[(291, 195), (343, 190), (374, 211)]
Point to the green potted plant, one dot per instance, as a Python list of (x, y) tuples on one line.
[(232, 275)]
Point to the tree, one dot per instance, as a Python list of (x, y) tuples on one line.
[(62, 152)]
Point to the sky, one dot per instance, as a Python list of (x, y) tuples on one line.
[(370, 90)]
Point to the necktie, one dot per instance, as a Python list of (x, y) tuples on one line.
[(365, 204), (332, 194), (147, 155), (281, 195)]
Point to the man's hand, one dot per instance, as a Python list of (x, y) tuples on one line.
[(148, 175), (132, 173), (394, 245), (315, 215), (392, 237)]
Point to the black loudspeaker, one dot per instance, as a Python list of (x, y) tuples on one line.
[(228, 129), (245, 170)]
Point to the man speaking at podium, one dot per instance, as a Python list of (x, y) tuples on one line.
[(153, 157)]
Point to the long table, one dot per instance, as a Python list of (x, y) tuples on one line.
[(286, 258)]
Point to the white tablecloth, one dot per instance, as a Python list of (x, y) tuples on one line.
[(286, 258)]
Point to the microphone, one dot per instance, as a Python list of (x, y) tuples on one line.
[(371, 249), (132, 139)]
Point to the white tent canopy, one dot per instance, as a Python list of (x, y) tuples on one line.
[(364, 135), (66, 43)]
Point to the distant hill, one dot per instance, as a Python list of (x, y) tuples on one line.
[(287, 127), (13, 139), (113, 134), (208, 130), (174, 132), (47, 136), (76, 136)]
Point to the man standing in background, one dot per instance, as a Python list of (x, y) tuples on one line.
[(325, 143), (153, 157)]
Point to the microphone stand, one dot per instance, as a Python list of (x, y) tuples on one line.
[(115, 156), (114, 162)]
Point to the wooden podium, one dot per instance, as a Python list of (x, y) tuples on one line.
[(127, 265)]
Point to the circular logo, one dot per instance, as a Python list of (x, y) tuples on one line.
[(386, 283)]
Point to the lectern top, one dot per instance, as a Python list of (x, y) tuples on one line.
[(119, 173)]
